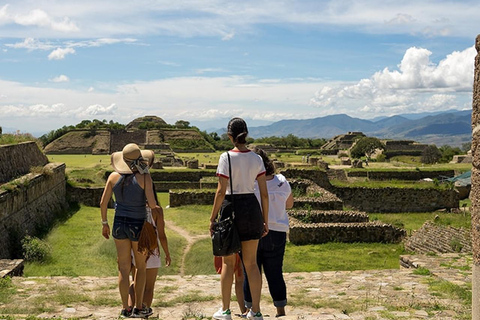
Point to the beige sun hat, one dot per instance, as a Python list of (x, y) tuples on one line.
[(132, 157)]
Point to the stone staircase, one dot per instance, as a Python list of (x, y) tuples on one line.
[(433, 238)]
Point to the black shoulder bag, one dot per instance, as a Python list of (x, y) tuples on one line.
[(225, 238)]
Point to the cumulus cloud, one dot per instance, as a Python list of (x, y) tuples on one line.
[(97, 110), (60, 53), (417, 85), (60, 78), (37, 18)]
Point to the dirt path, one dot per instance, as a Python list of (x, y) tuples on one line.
[(190, 241)]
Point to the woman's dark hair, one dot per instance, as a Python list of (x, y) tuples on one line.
[(269, 167), (237, 128)]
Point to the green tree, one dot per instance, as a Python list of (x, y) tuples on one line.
[(431, 154), (366, 146), (448, 152), (466, 147), (182, 124)]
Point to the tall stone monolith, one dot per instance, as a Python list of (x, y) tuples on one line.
[(475, 192)]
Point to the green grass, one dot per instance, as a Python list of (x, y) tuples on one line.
[(199, 260), (7, 290), (82, 161), (78, 248), (194, 219), (348, 256), (8, 138), (414, 221)]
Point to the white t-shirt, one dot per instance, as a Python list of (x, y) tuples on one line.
[(246, 167), (278, 192)]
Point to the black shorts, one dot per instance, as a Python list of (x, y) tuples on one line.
[(248, 215)]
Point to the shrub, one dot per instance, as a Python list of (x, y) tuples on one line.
[(35, 249), (381, 158)]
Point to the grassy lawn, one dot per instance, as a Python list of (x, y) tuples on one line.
[(413, 221), (78, 247)]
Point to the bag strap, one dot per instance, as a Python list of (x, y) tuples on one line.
[(231, 186)]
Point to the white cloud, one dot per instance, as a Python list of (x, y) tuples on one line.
[(37, 18), (60, 53), (227, 19), (417, 85), (31, 44), (60, 78), (97, 110), (228, 36)]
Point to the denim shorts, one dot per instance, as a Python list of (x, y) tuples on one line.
[(127, 228)]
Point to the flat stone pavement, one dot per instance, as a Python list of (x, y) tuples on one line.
[(359, 295)]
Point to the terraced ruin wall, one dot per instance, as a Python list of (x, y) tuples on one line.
[(315, 233), (17, 159), (401, 175), (397, 199), (30, 207), (184, 198)]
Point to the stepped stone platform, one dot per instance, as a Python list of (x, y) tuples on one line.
[(317, 203), (433, 238), (329, 216), (314, 233)]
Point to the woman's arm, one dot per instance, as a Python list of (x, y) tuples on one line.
[(148, 183), (219, 197), (160, 223), (262, 187), (107, 194), (289, 202)]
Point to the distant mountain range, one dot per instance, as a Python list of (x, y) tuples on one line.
[(452, 127)]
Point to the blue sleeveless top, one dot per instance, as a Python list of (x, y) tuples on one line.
[(130, 198)]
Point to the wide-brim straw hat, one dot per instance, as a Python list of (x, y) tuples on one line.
[(121, 160)]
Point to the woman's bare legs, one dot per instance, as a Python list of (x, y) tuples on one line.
[(140, 275), (249, 256), (150, 286), (226, 279), (124, 265), (239, 279)]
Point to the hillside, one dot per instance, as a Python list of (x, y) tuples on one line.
[(452, 128)]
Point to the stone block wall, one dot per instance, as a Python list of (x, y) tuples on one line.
[(121, 138), (89, 196), (183, 198), (397, 199), (165, 186), (31, 207), (318, 203), (330, 216), (314, 233), (17, 159), (191, 176), (320, 177), (401, 175)]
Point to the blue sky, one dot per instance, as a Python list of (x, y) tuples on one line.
[(206, 61)]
